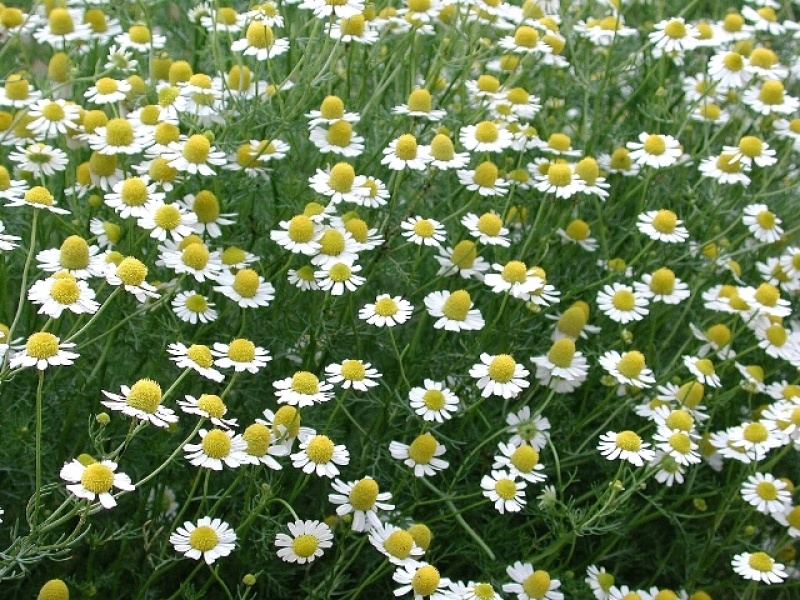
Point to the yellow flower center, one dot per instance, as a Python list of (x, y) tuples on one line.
[(776, 335), (304, 382), (386, 307), (486, 132), (621, 159), (53, 112), (241, 350), (505, 488), (767, 294), (340, 272), (559, 142), (257, 437), (358, 228), (211, 403), (422, 535), (623, 300), (259, 35), (167, 217), (353, 370), (629, 440), (433, 400), (577, 230), (631, 364), (486, 174), (755, 433), (60, 22), (680, 419), (246, 283), (339, 134), (287, 417), (562, 353), (488, 83), (196, 149), (419, 101), (364, 494), (733, 61), (490, 224), (331, 108), (65, 291), (655, 145), (305, 545), (305, 273), (766, 219), (605, 580), (341, 177), (134, 192), (399, 544), (320, 449), (196, 303), (515, 271), (406, 147), (675, 29), (74, 253), (665, 221), (355, 26), (131, 271), (168, 95), (572, 321), (422, 449), (217, 444), (457, 305), (55, 589), (200, 354), (680, 442), (426, 579), (525, 458), (144, 395), (106, 85), (794, 517), (119, 132), (206, 207), (39, 195), (42, 345), (239, 78), (727, 165), (588, 170), (771, 92), (442, 148), (97, 478), (139, 34), (11, 17), (195, 256), (662, 282), (559, 174), (766, 490), (203, 538), (767, 13), (332, 242), (502, 368), (665, 595), (166, 133), (537, 584), (761, 561)]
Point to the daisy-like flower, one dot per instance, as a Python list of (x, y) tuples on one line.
[(130, 273), (61, 292), (141, 39), (163, 220), (423, 232), (353, 373), (107, 91), (767, 494), (766, 300), (600, 581), (338, 277), (193, 307), (355, 29), (205, 206), (299, 235), (578, 232), (770, 99), (43, 350), (504, 490), (338, 138), (303, 278), (336, 245), (247, 288), (762, 223), (241, 354), (306, 543), (339, 184), (422, 580), (119, 136), (444, 156), (628, 368), (674, 36), (753, 440), (263, 445), (655, 150), (486, 136), (677, 445), (562, 369), (133, 196), (208, 406), (759, 566), (515, 278), (197, 357), (194, 155), (209, 539), (75, 256), (387, 311), (500, 375), (372, 193), (318, 454), (520, 460), (95, 481), (528, 429), (193, 258), (621, 303), (259, 42), (331, 110), (703, 370), (620, 162), (363, 499), (422, 455), (420, 104), (526, 40), (484, 179), (729, 70), (561, 179), (625, 445), (790, 518), (454, 311), (405, 153), (217, 447), (16, 91), (53, 118), (530, 584), (395, 544), (752, 151), (725, 169), (663, 286), (141, 401), (434, 401), (302, 389), (39, 160), (462, 260), (488, 228)]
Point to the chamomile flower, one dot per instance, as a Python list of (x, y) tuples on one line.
[(752, 151), (299, 235), (444, 156), (454, 311), (484, 179), (462, 260), (61, 292), (762, 223), (53, 118), (677, 445), (205, 206), (765, 300), (527, 428), (504, 490), (163, 220), (39, 160), (499, 375), (197, 357), (141, 401), (600, 581), (578, 232), (619, 162), (729, 70), (655, 150), (307, 541), (195, 155), (725, 169), (628, 369), (193, 259), (420, 104), (621, 303), (625, 445), (95, 481), (423, 232), (363, 499), (17, 92), (209, 539), (353, 373), (561, 179), (767, 494), (119, 136), (263, 445), (387, 311), (241, 354), (141, 39), (770, 99), (75, 256), (434, 401), (331, 110), (486, 136), (396, 544), (338, 138), (405, 153), (516, 279), (759, 566), (754, 439), (663, 286), (339, 183), (422, 455), (107, 91), (562, 369), (208, 406), (530, 584), (302, 389), (217, 447), (703, 370), (488, 228), (302, 278), (247, 288), (43, 350), (338, 277), (193, 307), (318, 454), (422, 580), (372, 193), (520, 460)]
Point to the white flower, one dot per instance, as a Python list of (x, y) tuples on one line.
[(528, 429), (655, 150), (504, 490), (767, 494), (196, 357), (621, 303), (247, 288), (216, 447), (454, 311), (363, 499), (192, 307), (703, 370), (141, 401), (759, 566), (762, 223), (63, 292), (625, 445), (562, 369), (95, 480), (488, 228), (434, 401), (242, 355), (208, 406), (404, 153), (338, 277), (395, 544), (302, 389), (515, 278), (500, 375), (208, 539), (422, 580), (353, 373), (42, 350), (628, 368), (306, 543), (387, 311), (526, 578), (318, 454), (422, 455), (521, 460)]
